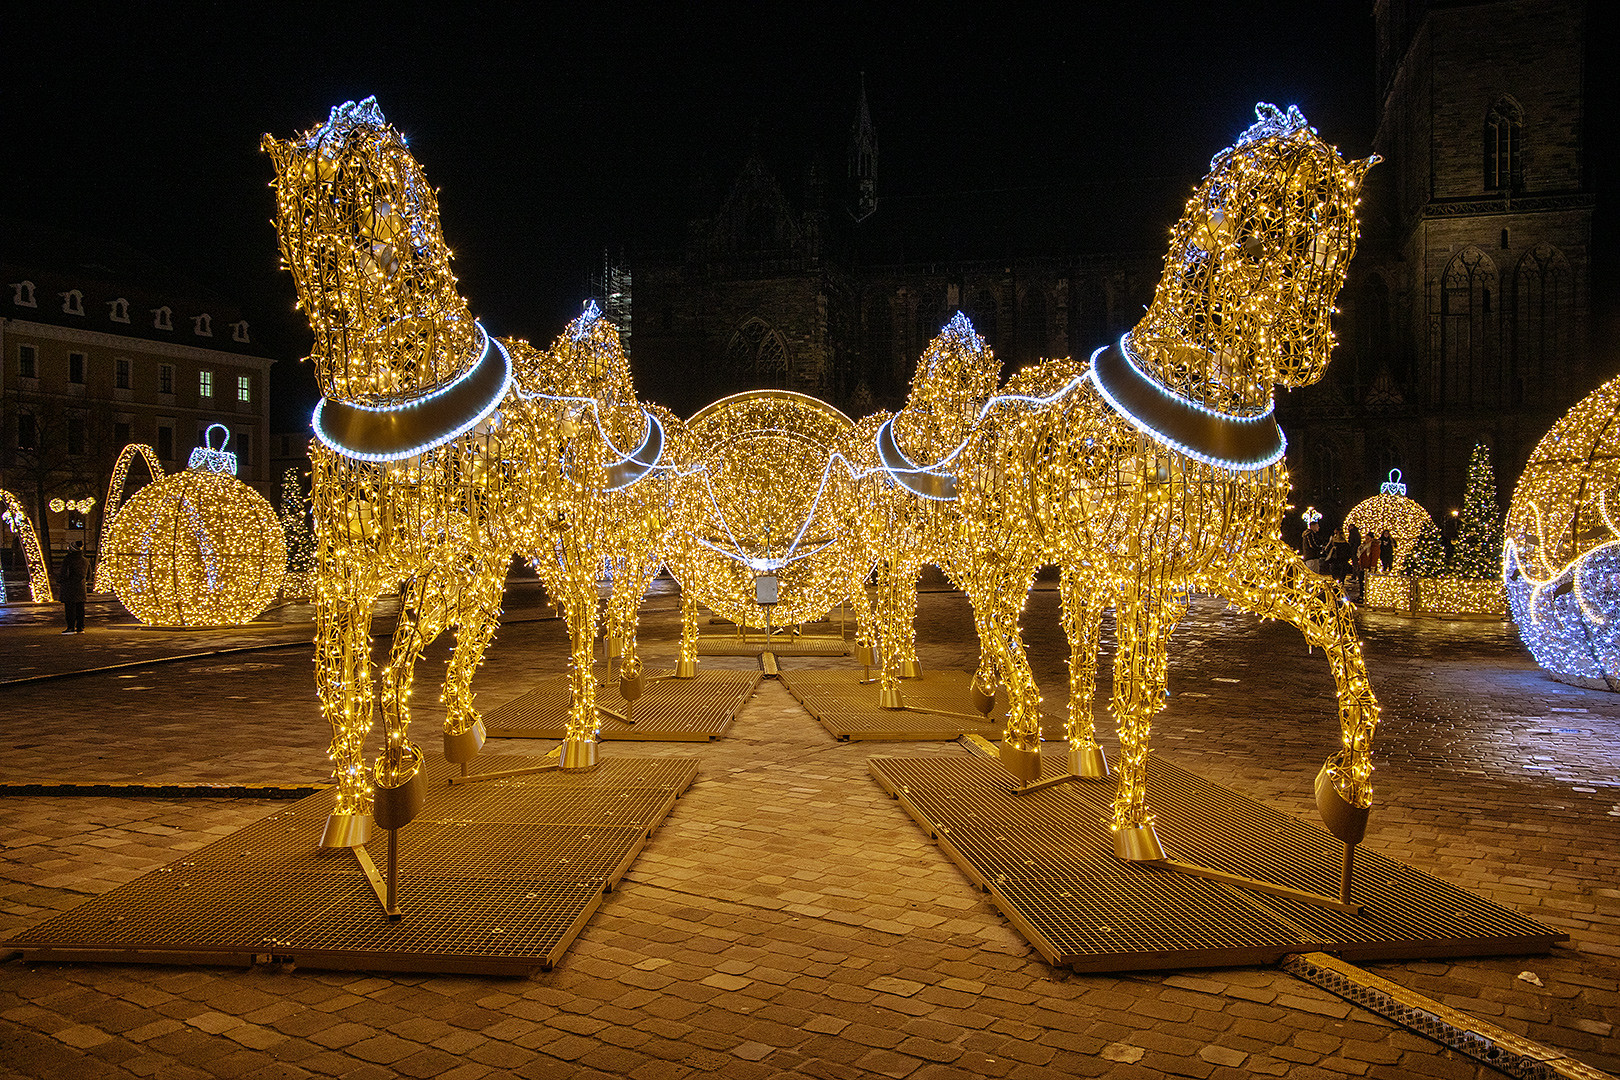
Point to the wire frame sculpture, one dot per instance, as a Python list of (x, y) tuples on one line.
[(1391, 509), (1156, 468), (767, 493), (196, 548), (440, 452), (413, 484), (1561, 556)]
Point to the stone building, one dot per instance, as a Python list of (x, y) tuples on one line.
[(837, 292), (100, 348), (1467, 317)]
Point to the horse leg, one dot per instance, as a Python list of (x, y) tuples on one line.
[(687, 664), (343, 686), (1082, 624), (894, 629), (580, 607), (998, 601), (400, 783), (1144, 617), (476, 622), (1272, 582), (624, 611)]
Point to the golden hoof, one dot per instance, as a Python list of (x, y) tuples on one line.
[(889, 697), (1025, 765), (1138, 844), (632, 686), (397, 807), (982, 701), (578, 755), (686, 669), (1343, 819), (346, 831), (910, 669), (461, 747), (1088, 762)]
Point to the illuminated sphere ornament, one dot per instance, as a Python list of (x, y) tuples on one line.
[(1561, 557), (196, 548), (768, 497), (1391, 509)]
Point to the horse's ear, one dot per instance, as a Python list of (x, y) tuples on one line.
[(1363, 165), (273, 146)]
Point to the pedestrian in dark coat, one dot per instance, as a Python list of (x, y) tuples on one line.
[(75, 569), (1386, 550)]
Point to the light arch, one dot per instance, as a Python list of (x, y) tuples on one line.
[(115, 491), (39, 575)]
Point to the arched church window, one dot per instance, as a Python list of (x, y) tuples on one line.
[(1543, 283), (1504, 146), (1466, 321), (759, 356)]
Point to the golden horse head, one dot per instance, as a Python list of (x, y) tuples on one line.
[(359, 229), (1254, 266)]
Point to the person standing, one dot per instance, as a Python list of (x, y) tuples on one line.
[(74, 572), (1313, 547), (1386, 550)]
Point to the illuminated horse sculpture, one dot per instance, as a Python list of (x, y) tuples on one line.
[(602, 502), (1156, 470), (425, 472)]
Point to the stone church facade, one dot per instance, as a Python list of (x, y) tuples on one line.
[(1465, 319), (1467, 316)]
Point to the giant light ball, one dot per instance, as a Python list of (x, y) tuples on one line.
[(1561, 558), (196, 548)]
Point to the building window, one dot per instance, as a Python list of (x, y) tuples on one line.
[(72, 302), (165, 442), (121, 373), (118, 310), (27, 362), (163, 318), (1467, 330), (205, 384), (165, 378), (758, 354), (244, 388), (75, 435), (26, 436), (22, 294), (202, 325), (1504, 146), (242, 444), (76, 368), (286, 445), (1541, 322), (239, 331), (121, 433)]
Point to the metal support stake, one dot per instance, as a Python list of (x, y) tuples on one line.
[(391, 904), (1349, 860)]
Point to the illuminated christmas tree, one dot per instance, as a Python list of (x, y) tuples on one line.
[(294, 515), (1478, 552), (1428, 556)]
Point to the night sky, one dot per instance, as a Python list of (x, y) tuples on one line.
[(554, 134)]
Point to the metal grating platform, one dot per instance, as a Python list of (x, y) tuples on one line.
[(670, 710), (1047, 860), (842, 705), (783, 645), (496, 877)]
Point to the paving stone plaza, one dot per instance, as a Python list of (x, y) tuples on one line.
[(789, 918)]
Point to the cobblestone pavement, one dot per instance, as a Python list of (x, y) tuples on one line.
[(789, 917)]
